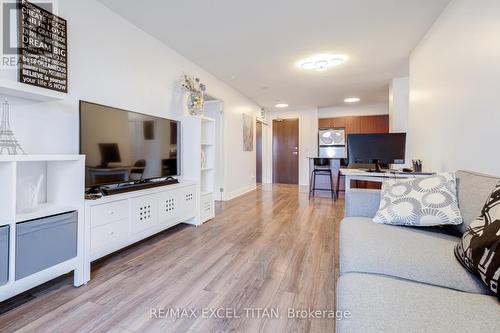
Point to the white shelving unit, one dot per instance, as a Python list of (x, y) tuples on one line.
[(207, 184), (202, 136), (61, 192)]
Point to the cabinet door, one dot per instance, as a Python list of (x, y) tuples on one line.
[(338, 122), (168, 208), (375, 124), (383, 124), (353, 125), (187, 202), (144, 213), (324, 123)]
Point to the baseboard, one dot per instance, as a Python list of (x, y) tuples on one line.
[(304, 188), (234, 194)]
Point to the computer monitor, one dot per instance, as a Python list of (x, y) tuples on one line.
[(387, 148), (110, 153)]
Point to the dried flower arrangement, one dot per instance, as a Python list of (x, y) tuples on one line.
[(196, 89)]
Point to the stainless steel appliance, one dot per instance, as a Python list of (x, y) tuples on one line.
[(332, 143)]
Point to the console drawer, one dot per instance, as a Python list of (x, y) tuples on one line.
[(107, 213), (108, 238)]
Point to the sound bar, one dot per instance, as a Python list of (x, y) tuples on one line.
[(121, 188)]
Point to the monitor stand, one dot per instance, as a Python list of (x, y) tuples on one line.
[(377, 167)]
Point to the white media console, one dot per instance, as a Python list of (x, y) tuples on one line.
[(116, 221)]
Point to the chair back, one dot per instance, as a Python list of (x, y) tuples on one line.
[(321, 162), (138, 169)]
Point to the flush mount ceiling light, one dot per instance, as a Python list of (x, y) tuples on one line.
[(321, 62), (281, 105), (352, 100)]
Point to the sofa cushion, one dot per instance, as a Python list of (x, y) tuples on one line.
[(384, 304), (479, 248), (407, 253), (473, 190), (423, 201)]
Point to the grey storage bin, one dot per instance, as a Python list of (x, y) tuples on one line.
[(4, 254), (45, 242)]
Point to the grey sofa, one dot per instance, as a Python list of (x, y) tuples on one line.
[(401, 279)]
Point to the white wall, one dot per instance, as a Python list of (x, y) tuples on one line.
[(399, 103), (454, 90), (353, 110), (308, 141), (114, 63)]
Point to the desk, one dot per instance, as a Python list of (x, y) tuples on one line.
[(360, 174)]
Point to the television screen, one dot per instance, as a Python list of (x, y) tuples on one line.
[(123, 146), (385, 148)]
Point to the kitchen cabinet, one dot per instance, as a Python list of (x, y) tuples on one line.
[(374, 124), (358, 125), (338, 122), (352, 125)]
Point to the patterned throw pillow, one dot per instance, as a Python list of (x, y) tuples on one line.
[(479, 248), (421, 202)]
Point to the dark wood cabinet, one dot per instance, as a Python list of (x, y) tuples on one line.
[(353, 125), (374, 124), (358, 125), (332, 122), (338, 122), (324, 123)]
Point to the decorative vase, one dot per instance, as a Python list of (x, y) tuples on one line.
[(195, 103)]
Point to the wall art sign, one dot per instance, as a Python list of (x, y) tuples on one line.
[(43, 48)]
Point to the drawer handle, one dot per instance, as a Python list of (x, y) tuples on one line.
[(111, 213), (112, 233)]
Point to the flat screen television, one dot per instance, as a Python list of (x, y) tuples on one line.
[(384, 148), (123, 146)]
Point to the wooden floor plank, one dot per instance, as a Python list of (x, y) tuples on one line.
[(272, 248)]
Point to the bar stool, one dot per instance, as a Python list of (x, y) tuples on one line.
[(321, 168)]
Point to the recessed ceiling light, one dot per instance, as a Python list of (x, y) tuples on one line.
[(352, 100), (321, 62), (281, 105)]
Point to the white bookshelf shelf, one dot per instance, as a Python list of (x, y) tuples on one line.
[(207, 144), (40, 158), (207, 169), (17, 89), (45, 209), (4, 222), (207, 119)]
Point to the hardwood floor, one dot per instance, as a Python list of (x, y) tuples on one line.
[(269, 249)]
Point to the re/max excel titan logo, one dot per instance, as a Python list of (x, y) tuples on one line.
[(10, 29)]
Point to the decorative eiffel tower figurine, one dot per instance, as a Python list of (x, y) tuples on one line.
[(8, 141)]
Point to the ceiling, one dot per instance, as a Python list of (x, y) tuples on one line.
[(254, 45)]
